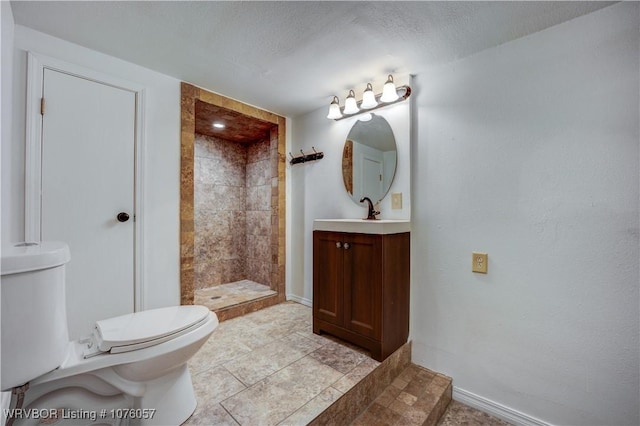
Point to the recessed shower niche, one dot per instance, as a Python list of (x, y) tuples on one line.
[(232, 204)]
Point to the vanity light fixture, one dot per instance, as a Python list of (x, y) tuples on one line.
[(389, 91), (334, 109), (370, 101), (368, 98), (350, 104)]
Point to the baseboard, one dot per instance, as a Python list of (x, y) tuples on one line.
[(300, 300), (497, 410)]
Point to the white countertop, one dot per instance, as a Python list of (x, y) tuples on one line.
[(362, 226)]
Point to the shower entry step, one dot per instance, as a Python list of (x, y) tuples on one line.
[(225, 295), (396, 392)]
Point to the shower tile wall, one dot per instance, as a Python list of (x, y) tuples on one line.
[(232, 212), (219, 211), (258, 209)]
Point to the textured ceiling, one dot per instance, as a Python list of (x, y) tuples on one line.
[(291, 57)]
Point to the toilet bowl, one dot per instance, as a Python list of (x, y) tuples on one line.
[(132, 370)]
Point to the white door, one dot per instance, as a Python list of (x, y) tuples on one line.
[(88, 169)]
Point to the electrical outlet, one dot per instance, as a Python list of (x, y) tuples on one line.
[(396, 200), (479, 262)]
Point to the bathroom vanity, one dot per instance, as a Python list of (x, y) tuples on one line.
[(361, 282)]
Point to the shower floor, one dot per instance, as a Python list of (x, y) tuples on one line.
[(225, 295)]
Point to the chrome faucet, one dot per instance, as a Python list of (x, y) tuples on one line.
[(371, 214)]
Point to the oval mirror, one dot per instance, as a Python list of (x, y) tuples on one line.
[(369, 159)]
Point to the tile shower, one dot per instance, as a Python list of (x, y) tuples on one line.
[(234, 254)]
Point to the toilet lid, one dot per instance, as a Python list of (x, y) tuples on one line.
[(146, 328)]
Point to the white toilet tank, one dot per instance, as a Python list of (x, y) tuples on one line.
[(34, 319)]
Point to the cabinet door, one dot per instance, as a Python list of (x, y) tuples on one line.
[(363, 284), (328, 276)]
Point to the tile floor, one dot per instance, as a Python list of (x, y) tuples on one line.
[(458, 414), (225, 295), (268, 368)]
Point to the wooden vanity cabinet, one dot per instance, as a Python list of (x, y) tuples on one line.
[(361, 289)]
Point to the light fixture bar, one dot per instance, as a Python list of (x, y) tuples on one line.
[(403, 93)]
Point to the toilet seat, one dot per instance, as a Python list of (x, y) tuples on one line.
[(140, 330), (76, 362)]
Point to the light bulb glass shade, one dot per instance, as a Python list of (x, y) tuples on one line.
[(368, 98), (350, 105), (334, 109), (389, 93)]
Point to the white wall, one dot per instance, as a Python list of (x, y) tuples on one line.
[(6, 123), (317, 188), (530, 152), (161, 178)]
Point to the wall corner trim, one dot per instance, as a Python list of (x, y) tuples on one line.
[(497, 410)]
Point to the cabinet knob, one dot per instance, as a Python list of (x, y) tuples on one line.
[(346, 246), (338, 244)]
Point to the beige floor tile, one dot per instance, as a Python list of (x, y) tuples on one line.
[(312, 408), (272, 400), (309, 334), (264, 361), (216, 351), (460, 414), (215, 385), (355, 375), (246, 332), (225, 295), (338, 357), (210, 415)]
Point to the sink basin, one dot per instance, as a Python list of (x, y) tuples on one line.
[(363, 226)]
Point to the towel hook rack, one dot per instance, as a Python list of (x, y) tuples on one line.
[(306, 157)]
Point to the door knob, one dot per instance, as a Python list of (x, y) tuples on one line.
[(122, 217), (346, 246)]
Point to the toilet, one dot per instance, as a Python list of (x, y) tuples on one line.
[(132, 369)]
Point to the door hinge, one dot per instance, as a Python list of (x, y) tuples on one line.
[(41, 106)]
